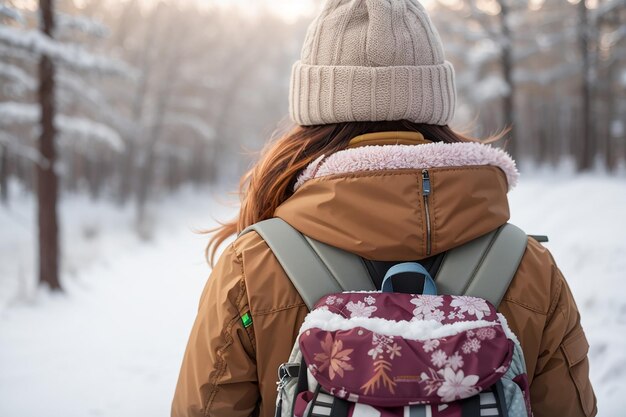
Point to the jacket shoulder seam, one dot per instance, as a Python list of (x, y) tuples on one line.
[(397, 172), (266, 311), (554, 300), (251, 335), (277, 309), (524, 305), (220, 367)]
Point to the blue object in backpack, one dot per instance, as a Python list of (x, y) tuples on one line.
[(412, 267)]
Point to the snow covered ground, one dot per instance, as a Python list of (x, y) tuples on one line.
[(111, 345), (585, 219)]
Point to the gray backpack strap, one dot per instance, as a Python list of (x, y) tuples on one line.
[(314, 268), (485, 266), (348, 269)]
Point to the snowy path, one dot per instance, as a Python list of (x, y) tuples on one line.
[(111, 348), (112, 345)]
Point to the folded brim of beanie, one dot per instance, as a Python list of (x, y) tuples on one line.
[(322, 94)]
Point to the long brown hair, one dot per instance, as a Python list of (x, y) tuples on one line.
[(270, 181)]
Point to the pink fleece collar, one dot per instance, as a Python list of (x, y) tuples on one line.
[(432, 155)]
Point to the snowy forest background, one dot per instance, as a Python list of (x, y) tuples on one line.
[(123, 124)]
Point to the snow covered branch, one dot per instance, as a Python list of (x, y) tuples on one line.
[(489, 88), (15, 146), (82, 128), (12, 113), (67, 54), (7, 51), (76, 89), (11, 13), (21, 81), (66, 22), (196, 124)]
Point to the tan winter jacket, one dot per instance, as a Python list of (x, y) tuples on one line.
[(368, 200)]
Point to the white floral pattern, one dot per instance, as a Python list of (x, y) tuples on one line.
[(453, 371), (447, 377), (471, 345), (436, 315), (426, 307), (380, 343), (486, 333), (456, 385), (455, 314), (375, 352), (394, 351), (369, 300), (455, 361), (360, 309), (381, 340), (430, 345), (439, 358), (470, 305)]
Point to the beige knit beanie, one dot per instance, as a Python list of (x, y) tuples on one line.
[(372, 60)]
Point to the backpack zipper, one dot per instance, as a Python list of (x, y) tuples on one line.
[(286, 373), (426, 190)]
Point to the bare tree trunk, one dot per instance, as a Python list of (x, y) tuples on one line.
[(95, 175), (4, 175), (608, 150), (47, 182), (128, 180), (507, 73), (611, 97), (587, 151), (146, 174), (74, 171), (229, 99), (544, 135), (127, 172)]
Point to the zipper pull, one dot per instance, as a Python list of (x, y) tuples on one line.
[(425, 182), (283, 376), (279, 399), (426, 190), (286, 372)]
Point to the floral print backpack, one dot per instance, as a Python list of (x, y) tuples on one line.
[(368, 353)]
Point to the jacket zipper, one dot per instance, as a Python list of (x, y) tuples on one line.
[(426, 190)]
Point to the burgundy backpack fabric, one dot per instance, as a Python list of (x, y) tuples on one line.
[(392, 354)]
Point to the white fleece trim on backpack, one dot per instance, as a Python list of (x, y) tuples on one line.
[(431, 155), (410, 330), (507, 330)]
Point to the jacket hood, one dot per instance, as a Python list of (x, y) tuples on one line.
[(402, 202)]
